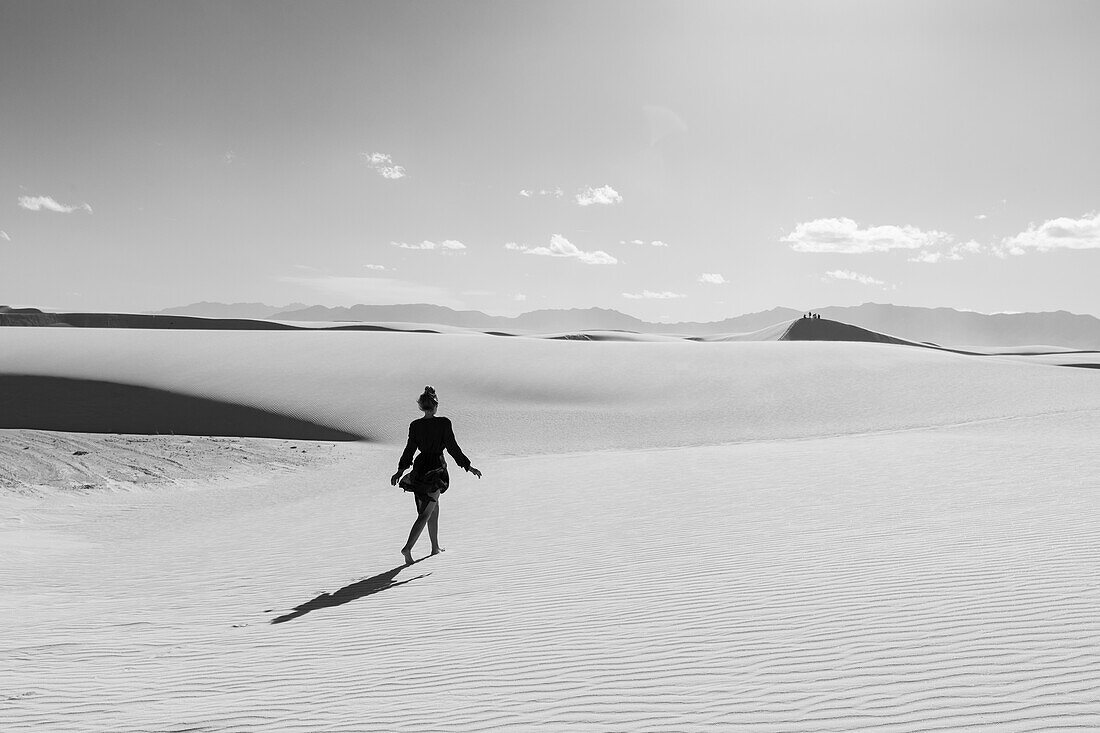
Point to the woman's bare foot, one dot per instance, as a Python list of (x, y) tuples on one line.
[(436, 550), (407, 554)]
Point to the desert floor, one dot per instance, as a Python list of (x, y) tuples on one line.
[(668, 537)]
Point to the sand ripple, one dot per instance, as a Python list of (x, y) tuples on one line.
[(937, 580)]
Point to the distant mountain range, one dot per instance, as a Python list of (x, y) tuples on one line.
[(943, 326), (231, 310)]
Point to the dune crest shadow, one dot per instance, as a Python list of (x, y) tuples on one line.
[(90, 406), (352, 592)]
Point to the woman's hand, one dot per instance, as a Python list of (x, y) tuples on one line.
[(474, 471), (395, 478)]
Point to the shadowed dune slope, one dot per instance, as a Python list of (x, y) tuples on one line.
[(822, 329), (92, 406), (34, 317), (631, 336), (513, 396), (813, 329), (136, 320)]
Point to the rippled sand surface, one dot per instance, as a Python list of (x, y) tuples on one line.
[(668, 536)]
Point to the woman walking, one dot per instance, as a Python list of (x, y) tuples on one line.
[(428, 478)]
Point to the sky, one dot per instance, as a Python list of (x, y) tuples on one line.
[(678, 161)]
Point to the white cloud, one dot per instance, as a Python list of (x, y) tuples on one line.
[(38, 203), (519, 297), (853, 276), (981, 217), (4, 236), (554, 192), (375, 267), (845, 236), (562, 247), (650, 295), (383, 164), (447, 245), (229, 157), (605, 195), (927, 257), (1060, 233), (953, 254), (654, 243), (957, 251), (713, 277), (658, 243)]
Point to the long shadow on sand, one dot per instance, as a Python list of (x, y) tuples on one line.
[(349, 593)]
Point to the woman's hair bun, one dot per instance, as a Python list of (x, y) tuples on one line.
[(428, 398)]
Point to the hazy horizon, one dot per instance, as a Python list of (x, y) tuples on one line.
[(624, 311), (676, 162), (512, 314)]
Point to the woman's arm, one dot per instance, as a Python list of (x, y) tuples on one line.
[(407, 455), (451, 445)]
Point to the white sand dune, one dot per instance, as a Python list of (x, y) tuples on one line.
[(670, 536), (771, 333), (585, 395)]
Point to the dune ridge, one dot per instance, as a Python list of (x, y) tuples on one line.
[(823, 329), (588, 395), (940, 325)]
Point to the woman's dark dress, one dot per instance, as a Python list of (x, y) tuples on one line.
[(431, 436)]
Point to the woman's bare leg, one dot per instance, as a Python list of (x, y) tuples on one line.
[(417, 528), (433, 530)]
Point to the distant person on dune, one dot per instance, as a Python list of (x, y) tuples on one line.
[(428, 479)]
